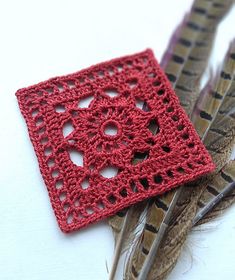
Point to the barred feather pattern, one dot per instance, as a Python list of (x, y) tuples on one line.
[(204, 115), (188, 84), (178, 53), (220, 138), (155, 214), (218, 185), (223, 130), (176, 234)]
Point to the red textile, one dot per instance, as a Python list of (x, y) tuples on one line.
[(160, 137)]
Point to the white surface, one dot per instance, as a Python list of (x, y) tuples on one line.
[(41, 39)]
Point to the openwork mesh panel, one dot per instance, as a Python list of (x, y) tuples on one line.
[(110, 136)]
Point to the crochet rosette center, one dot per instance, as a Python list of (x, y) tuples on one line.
[(109, 136), (111, 129)]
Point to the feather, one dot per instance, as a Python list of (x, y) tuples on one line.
[(197, 29), (115, 222), (188, 84), (211, 106), (156, 242), (124, 234), (183, 226), (184, 38), (220, 142), (220, 137), (170, 246), (156, 212), (222, 184)]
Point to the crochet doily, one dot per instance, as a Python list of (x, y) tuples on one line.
[(99, 149)]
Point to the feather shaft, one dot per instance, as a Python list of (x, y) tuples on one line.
[(213, 202)]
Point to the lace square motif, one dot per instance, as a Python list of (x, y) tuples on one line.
[(99, 149)]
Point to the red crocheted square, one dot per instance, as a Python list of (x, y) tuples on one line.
[(98, 149)]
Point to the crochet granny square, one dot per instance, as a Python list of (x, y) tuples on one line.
[(109, 136)]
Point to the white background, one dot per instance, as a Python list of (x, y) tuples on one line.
[(41, 39)]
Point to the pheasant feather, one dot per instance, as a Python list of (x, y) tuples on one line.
[(189, 208), (221, 136), (211, 105), (178, 53), (188, 84), (156, 212)]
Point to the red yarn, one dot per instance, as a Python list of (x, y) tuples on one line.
[(160, 137)]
